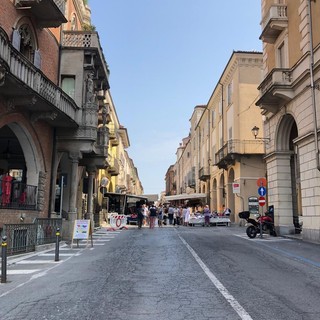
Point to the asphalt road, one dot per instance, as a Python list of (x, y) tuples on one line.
[(167, 274)]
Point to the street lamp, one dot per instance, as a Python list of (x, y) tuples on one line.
[(255, 132)]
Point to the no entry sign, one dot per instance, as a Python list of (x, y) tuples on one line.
[(262, 201)]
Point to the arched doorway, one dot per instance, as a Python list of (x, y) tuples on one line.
[(20, 160), (214, 195), (222, 193), (289, 152)]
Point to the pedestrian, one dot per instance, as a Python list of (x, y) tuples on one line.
[(226, 211), (146, 215), (165, 215), (175, 216), (152, 215), (140, 214), (187, 216), (207, 214), (170, 214), (160, 216)]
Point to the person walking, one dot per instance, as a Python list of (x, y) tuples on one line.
[(207, 214), (175, 216), (140, 214), (226, 211), (160, 216), (170, 214), (152, 215), (187, 216)]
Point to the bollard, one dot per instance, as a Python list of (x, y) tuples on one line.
[(56, 258), (4, 260)]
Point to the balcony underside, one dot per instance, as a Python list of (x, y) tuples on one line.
[(18, 96), (47, 12), (227, 161), (273, 99), (271, 33), (98, 161)]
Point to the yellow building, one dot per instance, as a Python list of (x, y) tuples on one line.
[(221, 149)]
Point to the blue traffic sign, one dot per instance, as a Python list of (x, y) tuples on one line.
[(262, 191)]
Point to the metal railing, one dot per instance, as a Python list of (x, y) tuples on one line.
[(240, 147), (23, 237), (17, 195), (26, 72)]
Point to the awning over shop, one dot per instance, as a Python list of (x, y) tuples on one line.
[(186, 196)]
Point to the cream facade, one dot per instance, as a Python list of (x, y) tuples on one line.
[(289, 100), (221, 149)]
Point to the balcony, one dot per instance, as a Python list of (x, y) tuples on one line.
[(233, 150), (204, 173), (275, 21), (113, 168), (89, 42), (113, 135), (21, 196), (276, 90), (49, 13), (26, 87)]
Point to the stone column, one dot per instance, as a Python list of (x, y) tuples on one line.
[(55, 165), (280, 190), (74, 157)]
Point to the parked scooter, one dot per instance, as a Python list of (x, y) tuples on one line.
[(253, 228)]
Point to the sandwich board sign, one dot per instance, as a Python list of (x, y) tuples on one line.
[(82, 230)]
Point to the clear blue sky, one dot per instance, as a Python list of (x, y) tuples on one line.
[(165, 57)]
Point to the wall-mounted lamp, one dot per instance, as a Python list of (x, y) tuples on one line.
[(255, 132), (22, 217)]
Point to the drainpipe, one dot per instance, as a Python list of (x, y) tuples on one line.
[(312, 86)]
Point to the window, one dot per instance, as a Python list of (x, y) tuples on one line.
[(229, 93), (213, 118), (74, 26), (27, 47), (281, 56), (24, 40), (68, 85)]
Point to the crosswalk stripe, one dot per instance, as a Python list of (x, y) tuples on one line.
[(36, 261), (53, 254), (16, 272)]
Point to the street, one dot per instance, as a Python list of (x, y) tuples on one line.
[(167, 273)]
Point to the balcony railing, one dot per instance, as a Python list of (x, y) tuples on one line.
[(88, 40), (113, 135), (17, 195), (204, 173), (273, 23), (22, 69), (276, 88), (113, 166), (235, 148), (24, 237)]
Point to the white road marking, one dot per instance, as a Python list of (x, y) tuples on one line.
[(36, 261), (15, 272), (264, 238), (53, 254), (243, 314)]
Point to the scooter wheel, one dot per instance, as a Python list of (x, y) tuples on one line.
[(251, 232)]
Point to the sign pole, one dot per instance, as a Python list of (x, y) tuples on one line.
[(261, 236)]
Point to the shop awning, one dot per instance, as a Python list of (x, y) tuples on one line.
[(186, 196)]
